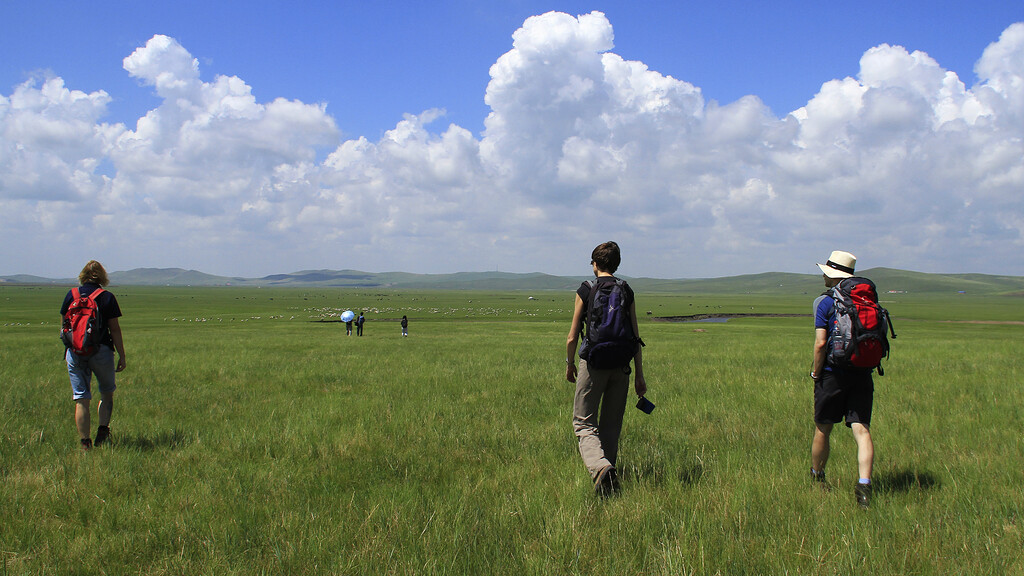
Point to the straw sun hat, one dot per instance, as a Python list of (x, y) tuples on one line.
[(839, 265)]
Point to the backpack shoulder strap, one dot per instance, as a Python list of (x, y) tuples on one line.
[(95, 294), (592, 285), (75, 293), (839, 293), (625, 291)]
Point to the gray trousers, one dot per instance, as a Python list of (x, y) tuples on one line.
[(597, 412)]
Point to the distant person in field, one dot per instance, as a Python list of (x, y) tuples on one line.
[(405, 326), (602, 381), (101, 364), (359, 324), (839, 393), (348, 328)]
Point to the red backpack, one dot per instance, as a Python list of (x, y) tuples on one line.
[(859, 332), (83, 325)]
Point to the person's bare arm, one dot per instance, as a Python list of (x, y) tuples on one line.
[(573, 340), (639, 382), (115, 335), (820, 343)]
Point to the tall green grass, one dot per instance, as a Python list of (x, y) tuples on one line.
[(250, 437)]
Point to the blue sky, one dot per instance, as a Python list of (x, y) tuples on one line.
[(408, 72), (371, 62)]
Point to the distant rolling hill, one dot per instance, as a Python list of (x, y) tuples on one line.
[(767, 283)]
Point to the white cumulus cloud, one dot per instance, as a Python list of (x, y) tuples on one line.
[(904, 165)]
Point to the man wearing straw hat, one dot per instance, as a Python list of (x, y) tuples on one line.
[(839, 394)]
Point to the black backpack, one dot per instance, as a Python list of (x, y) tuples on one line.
[(609, 341), (858, 334)]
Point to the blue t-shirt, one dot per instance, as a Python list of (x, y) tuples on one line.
[(824, 315), (824, 311)]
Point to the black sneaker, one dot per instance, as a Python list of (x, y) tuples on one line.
[(819, 482), (606, 482), (86, 444), (863, 494), (102, 435)]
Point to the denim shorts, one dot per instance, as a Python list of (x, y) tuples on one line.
[(82, 368)]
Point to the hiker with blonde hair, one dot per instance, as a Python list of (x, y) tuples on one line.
[(95, 357)]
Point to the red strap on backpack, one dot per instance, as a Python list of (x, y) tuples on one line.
[(77, 294)]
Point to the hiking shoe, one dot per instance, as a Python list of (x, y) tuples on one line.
[(86, 444), (819, 482), (863, 494), (606, 482), (102, 434)]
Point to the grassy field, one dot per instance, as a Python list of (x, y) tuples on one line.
[(251, 436)]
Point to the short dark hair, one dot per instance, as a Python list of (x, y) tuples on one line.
[(607, 257)]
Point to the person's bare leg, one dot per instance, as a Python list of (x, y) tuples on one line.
[(105, 408), (82, 421), (865, 449), (820, 447)]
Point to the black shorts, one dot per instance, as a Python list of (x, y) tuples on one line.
[(842, 395)]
